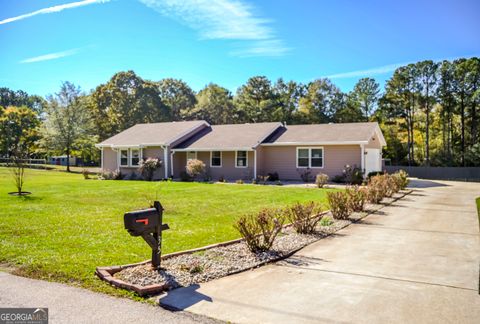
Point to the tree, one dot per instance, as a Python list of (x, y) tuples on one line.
[(215, 105), (288, 96), (321, 101), (427, 79), (366, 94), (125, 100), (177, 96), (67, 120), (19, 98), (445, 95), (18, 130), (255, 100), (462, 94)]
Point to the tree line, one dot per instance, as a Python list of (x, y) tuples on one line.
[(427, 111)]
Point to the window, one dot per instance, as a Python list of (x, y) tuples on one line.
[(302, 157), (316, 158), (216, 159), (191, 156), (241, 159), (124, 157), (134, 157), (310, 157)]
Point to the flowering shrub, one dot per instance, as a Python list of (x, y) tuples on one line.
[(304, 217), (148, 167), (261, 229), (321, 180), (338, 202), (195, 168)]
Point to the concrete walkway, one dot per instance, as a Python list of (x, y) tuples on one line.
[(68, 304), (415, 261)]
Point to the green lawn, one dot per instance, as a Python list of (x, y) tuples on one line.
[(69, 225)]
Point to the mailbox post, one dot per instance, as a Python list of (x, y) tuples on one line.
[(147, 223)]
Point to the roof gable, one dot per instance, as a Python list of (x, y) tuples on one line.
[(154, 134)]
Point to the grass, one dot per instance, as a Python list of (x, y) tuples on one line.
[(69, 225)]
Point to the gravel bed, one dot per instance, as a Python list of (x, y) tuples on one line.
[(187, 269), (197, 267)]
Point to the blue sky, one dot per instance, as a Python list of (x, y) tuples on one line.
[(226, 41)]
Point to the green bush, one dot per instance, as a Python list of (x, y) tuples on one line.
[(305, 174), (260, 230), (185, 177), (321, 180), (326, 221), (304, 217), (86, 174), (356, 198), (338, 202), (239, 181), (353, 175)]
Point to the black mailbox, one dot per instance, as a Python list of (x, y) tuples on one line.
[(141, 221), (147, 223)]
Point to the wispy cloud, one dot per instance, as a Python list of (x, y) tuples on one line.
[(224, 19), (368, 72), (51, 56), (53, 9)]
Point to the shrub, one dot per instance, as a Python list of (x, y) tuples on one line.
[(222, 179), (305, 174), (254, 181), (239, 181), (261, 229), (353, 175), (402, 178), (273, 176), (185, 177), (195, 168), (356, 198), (321, 180), (338, 178), (17, 169), (304, 217), (391, 186), (263, 179), (326, 221), (376, 189), (338, 202), (117, 175), (148, 167), (86, 174), (279, 183)]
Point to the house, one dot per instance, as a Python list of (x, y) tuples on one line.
[(62, 160), (245, 151)]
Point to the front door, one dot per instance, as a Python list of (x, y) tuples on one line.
[(373, 160)]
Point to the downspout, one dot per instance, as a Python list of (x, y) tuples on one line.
[(101, 159)]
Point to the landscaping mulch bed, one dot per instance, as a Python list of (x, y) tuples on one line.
[(185, 269)]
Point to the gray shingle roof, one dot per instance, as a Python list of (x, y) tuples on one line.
[(153, 134), (325, 133), (233, 136)]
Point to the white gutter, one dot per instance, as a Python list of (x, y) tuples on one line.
[(314, 143), (209, 149), (255, 164), (171, 162), (101, 161), (362, 152)]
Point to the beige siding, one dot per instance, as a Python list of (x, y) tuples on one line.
[(282, 159), (156, 152), (227, 170), (109, 159)]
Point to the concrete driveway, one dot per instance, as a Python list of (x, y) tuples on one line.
[(415, 261)]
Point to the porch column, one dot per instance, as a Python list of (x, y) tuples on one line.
[(255, 164), (171, 162), (165, 160)]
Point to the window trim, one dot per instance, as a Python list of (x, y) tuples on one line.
[(120, 157), (310, 148), (186, 155), (246, 160), (131, 157), (221, 159)]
